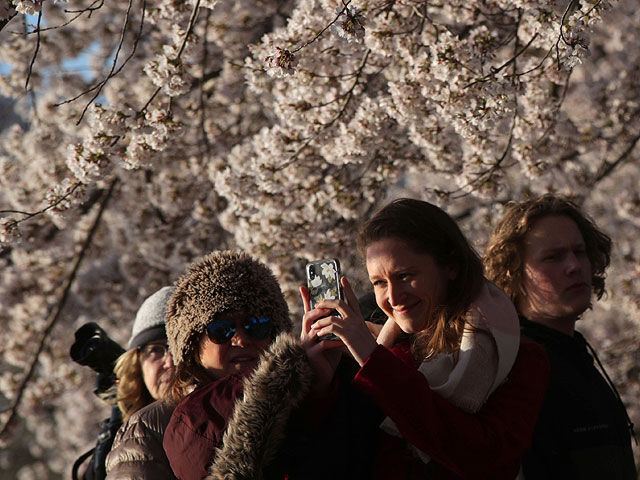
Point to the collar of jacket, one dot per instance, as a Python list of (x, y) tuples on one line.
[(573, 346), (257, 427)]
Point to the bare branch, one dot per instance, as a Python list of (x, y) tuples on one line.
[(607, 167), (113, 71), (35, 53), (192, 21), (79, 13), (57, 311)]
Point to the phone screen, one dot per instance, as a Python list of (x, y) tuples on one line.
[(323, 281)]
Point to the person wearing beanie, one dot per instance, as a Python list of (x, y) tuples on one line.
[(144, 373), (240, 374), (145, 369)]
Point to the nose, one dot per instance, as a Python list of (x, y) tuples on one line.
[(573, 263), (394, 294), (167, 361), (240, 338)]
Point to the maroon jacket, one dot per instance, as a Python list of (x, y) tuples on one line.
[(197, 425), (488, 444)]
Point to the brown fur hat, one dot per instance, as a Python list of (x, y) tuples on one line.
[(221, 281)]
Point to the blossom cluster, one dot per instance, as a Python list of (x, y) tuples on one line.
[(277, 127)]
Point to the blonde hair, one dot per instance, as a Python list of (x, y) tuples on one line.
[(132, 392)]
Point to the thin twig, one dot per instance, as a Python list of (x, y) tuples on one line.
[(79, 13), (349, 95), (29, 215), (203, 113), (607, 167), (89, 9), (113, 71), (142, 110), (192, 20), (57, 311), (35, 54), (346, 5), (506, 64), (568, 11)]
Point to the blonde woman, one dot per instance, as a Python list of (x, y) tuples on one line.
[(144, 372)]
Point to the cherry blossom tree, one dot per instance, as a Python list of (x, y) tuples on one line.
[(154, 132)]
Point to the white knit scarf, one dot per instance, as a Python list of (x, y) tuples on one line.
[(487, 351)]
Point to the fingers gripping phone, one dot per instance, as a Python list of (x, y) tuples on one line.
[(323, 280)]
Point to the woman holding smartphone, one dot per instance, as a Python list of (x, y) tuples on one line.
[(459, 391), (240, 377)]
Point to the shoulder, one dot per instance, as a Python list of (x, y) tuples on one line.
[(148, 422), (154, 416), (531, 359), (137, 447), (150, 419)]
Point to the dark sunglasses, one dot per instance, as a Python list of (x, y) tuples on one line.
[(222, 330)]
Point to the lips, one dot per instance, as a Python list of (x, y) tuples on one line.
[(578, 287), (243, 358), (402, 310)]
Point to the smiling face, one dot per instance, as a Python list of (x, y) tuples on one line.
[(408, 285), (556, 273), (239, 355)]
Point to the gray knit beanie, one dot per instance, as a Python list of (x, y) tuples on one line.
[(149, 323), (221, 281)]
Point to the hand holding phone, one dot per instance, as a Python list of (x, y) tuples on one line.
[(323, 281)]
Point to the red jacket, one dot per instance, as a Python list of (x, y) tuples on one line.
[(197, 425), (488, 444)]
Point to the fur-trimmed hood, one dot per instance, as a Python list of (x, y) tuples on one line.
[(221, 281), (233, 428), (257, 427)]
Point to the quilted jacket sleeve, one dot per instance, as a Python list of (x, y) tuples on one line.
[(137, 451)]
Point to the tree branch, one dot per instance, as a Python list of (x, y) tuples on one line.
[(607, 167), (5, 22), (35, 53), (57, 311)]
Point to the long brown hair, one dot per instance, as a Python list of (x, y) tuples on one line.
[(189, 375), (428, 229), (132, 392), (503, 259)]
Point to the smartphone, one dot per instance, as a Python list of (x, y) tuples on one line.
[(323, 281)]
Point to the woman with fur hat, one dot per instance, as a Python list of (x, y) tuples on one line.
[(239, 374), (144, 372), (439, 367)]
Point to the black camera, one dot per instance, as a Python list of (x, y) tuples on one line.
[(93, 348)]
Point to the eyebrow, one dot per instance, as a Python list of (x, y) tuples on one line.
[(563, 248)]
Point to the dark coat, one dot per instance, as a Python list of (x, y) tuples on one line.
[(582, 431)]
